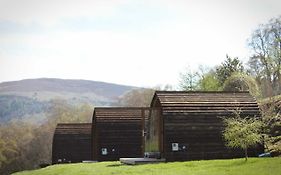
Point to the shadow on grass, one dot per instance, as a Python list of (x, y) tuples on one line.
[(116, 165), (122, 164)]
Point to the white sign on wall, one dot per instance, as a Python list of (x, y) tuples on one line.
[(175, 146), (103, 151)]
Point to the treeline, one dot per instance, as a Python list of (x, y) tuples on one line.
[(26, 145), (12, 106)]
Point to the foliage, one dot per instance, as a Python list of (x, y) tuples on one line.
[(16, 107), (206, 79), (273, 144), (16, 136), (61, 111), (189, 81), (137, 98), (242, 82), (265, 62), (8, 149), (209, 82), (242, 132), (25, 145), (254, 166), (271, 111), (228, 68)]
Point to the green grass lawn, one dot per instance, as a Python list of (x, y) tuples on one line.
[(254, 166)]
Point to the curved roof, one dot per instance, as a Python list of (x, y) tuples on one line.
[(198, 102), (118, 113), (73, 128)]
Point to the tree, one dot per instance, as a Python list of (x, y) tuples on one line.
[(189, 80), (242, 132), (60, 111), (209, 82), (201, 79), (210, 79), (25, 145), (242, 82), (137, 98), (271, 113), (227, 68), (16, 136), (8, 151), (265, 62)]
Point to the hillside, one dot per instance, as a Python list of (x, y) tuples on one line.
[(60, 85), (12, 106), (32, 96), (254, 166)]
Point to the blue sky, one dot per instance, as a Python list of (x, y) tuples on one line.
[(140, 43)]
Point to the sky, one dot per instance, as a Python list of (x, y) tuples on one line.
[(143, 43)]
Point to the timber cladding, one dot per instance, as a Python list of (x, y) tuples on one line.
[(178, 126), (191, 123), (118, 132), (72, 143)]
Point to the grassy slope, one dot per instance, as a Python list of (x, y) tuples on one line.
[(254, 166)]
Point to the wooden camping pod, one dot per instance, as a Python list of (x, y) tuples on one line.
[(178, 125), (118, 132), (189, 125), (72, 143)]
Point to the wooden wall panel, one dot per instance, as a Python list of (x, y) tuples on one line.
[(119, 131), (72, 143)]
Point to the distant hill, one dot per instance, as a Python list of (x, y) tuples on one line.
[(31, 96)]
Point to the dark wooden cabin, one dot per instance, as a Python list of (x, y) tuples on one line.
[(188, 125), (72, 143), (118, 132)]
